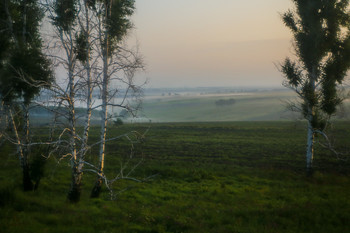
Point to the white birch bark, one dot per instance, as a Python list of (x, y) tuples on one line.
[(310, 128), (104, 44), (310, 146), (89, 91)]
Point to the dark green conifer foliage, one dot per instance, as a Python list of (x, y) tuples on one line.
[(22, 61), (66, 14), (29, 64), (24, 69), (82, 47), (116, 18), (118, 23), (321, 36)]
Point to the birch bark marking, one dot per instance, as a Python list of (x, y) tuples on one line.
[(27, 182), (310, 126), (87, 67), (104, 120), (75, 189), (310, 145)]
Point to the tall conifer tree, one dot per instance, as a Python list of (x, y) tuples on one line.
[(24, 69)]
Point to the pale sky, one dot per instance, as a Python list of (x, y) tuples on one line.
[(196, 43)]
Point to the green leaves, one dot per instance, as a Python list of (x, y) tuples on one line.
[(292, 73), (289, 21), (322, 43), (118, 22), (26, 72), (24, 69), (82, 47), (66, 13)]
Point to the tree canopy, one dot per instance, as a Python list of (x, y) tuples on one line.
[(24, 69), (322, 45)]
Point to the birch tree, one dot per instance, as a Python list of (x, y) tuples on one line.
[(91, 63), (64, 14), (22, 63), (322, 46), (114, 24)]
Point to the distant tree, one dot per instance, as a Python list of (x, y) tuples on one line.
[(23, 67), (322, 45), (118, 122), (225, 102)]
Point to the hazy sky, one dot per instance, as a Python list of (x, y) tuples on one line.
[(189, 43)]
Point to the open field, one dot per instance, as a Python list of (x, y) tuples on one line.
[(266, 105), (210, 177)]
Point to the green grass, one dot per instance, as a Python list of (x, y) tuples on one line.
[(211, 177)]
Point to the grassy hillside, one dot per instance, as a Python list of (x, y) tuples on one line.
[(255, 106), (210, 177)]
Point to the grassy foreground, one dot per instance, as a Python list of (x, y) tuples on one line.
[(211, 177)]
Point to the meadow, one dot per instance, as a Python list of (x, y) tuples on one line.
[(205, 177), (266, 105)]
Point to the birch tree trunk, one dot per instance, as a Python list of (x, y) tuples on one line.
[(310, 127), (89, 84), (310, 147), (27, 181), (75, 188), (27, 184), (104, 121)]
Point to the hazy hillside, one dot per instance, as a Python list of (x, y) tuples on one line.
[(249, 106), (252, 105)]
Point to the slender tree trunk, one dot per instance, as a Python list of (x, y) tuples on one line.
[(21, 150), (75, 188), (27, 182), (104, 120), (78, 173), (98, 184), (310, 128), (87, 67), (310, 148)]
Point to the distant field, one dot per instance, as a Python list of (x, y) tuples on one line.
[(214, 105), (246, 177), (254, 106)]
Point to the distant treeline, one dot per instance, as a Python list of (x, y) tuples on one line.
[(225, 102)]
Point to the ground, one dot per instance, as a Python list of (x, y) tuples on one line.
[(206, 177)]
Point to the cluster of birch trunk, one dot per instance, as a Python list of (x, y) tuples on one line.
[(91, 34), (85, 39)]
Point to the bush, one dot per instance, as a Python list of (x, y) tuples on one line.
[(223, 102), (118, 122)]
